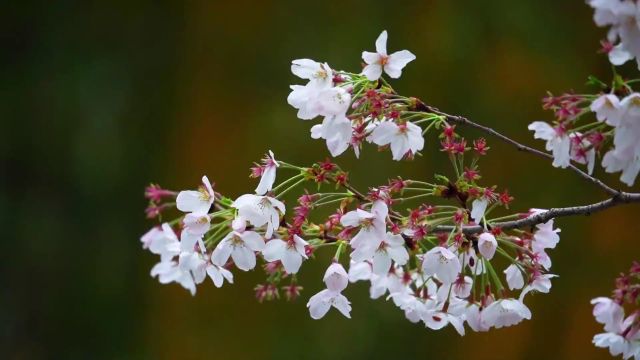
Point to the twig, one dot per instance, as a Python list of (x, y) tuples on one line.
[(620, 198), (463, 120)]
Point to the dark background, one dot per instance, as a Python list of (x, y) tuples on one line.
[(98, 100)]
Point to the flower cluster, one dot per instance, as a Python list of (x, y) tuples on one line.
[(622, 334), (612, 130), (434, 249), (623, 39), (420, 258)]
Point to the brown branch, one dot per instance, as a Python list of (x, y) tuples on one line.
[(463, 120), (619, 199)]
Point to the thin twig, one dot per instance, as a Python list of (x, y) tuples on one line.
[(542, 217), (463, 120)]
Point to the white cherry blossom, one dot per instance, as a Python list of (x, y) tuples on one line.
[(197, 223), (514, 277), (372, 229), (391, 248), (260, 211), (336, 130), (169, 271), (336, 277), (162, 242), (241, 247), (505, 312), (198, 201), (487, 245), (478, 208), (402, 138), (320, 303), (380, 60), (557, 142), (442, 263), (290, 253), (268, 176)]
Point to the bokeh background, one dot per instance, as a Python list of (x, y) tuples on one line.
[(99, 99)]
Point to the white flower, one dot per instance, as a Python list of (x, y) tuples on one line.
[(475, 318), (404, 138), (379, 60), (360, 271), (391, 248), (290, 253), (318, 73), (372, 229), (557, 142), (622, 16), (391, 282), (320, 303), (218, 274), (505, 312), (164, 243), (268, 176), (607, 109), (315, 99), (260, 210), (241, 246), (545, 237), (625, 156), (615, 343), (514, 277), (336, 130), (436, 320), (462, 287), (197, 223), (478, 207), (540, 283), (196, 201), (609, 313), (442, 263), (170, 271), (487, 245), (336, 277)]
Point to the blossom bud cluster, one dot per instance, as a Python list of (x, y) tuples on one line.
[(621, 334)]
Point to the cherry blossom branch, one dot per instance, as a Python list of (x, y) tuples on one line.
[(543, 217), (520, 147)]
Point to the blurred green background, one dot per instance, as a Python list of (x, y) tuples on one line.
[(98, 100)]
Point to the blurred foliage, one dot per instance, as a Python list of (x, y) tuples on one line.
[(99, 99)]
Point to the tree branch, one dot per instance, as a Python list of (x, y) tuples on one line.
[(620, 198), (463, 120)]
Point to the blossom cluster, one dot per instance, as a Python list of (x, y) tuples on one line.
[(419, 258), (436, 249), (622, 334), (607, 124), (613, 130), (623, 38)]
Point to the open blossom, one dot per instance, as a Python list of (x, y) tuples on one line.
[(240, 245), (478, 208), (163, 242), (475, 318), (540, 283), (268, 176), (360, 271), (380, 60), (260, 211), (318, 96), (404, 138), (391, 248), (197, 223), (169, 271), (290, 253), (336, 130), (622, 16), (336, 279), (506, 312), (487, 245), (557, 142), (196, 201), (545, 236), (625, 155), (514, 277), (372, 229), (442, 263), (608, 312)]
